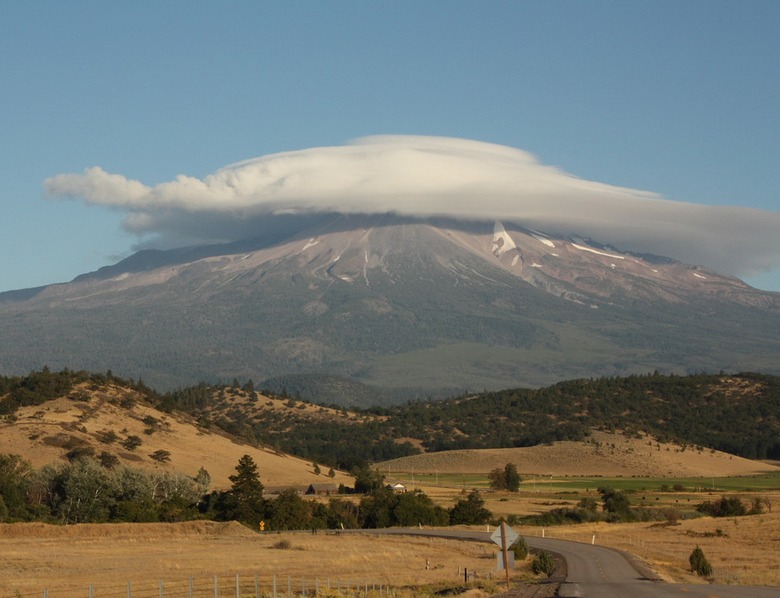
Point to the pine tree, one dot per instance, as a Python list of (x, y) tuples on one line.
[(247, 492), (699, 563)]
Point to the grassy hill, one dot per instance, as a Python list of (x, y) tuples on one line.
[(94, 417), (602, 454)]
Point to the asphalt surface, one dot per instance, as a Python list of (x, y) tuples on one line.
[(600, 572)]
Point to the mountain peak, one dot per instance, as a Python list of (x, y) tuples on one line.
[(427, 305)]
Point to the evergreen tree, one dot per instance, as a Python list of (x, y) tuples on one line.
[(470, 511), (699, 563), (245, 501)]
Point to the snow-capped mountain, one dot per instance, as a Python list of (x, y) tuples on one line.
[(431, 305)]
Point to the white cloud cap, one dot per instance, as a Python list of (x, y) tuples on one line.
[(433, 176)]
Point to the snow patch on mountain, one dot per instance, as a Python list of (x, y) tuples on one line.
[(597, 252), (502, 242), (540, 237)]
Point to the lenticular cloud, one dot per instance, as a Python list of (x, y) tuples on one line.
[(431, 176)]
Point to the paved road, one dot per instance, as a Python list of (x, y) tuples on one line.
[(600, 572)]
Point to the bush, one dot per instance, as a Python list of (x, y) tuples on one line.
[(672, 516), (725, 507), (699, 563), (132, 442), (108, 437), (161, 455), (520, 548), (80, 452), (108, 460), (543, 563)]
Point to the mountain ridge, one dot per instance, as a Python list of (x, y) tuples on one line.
[(421, 307)]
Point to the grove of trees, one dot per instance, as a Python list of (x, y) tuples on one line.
[(85, 491), (505, 479)]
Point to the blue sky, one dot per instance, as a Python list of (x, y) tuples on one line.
[(681, 99)]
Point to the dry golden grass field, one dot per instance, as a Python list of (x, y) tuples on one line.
[(65, 560), (741, 550)]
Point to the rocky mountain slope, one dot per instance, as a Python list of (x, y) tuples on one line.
[(367, 309)]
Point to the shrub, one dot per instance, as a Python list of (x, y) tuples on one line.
[(520, 548), (543, 563), (699, 563), (672, 516), (161, 455), (282, 545), (80, 452), (725, 507), (132, 442), (108, 437), (108, 460)]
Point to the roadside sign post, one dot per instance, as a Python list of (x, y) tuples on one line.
[(505, 536)]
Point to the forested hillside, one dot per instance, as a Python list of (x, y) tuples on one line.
[(738, 414)]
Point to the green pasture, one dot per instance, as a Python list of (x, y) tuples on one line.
[(758, 483), (697, 484), (463, 480)]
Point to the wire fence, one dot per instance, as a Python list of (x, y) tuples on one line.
[(248, 586)]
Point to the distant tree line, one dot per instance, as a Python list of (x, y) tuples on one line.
[(738, 414), (616, 507), (85, 491)]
